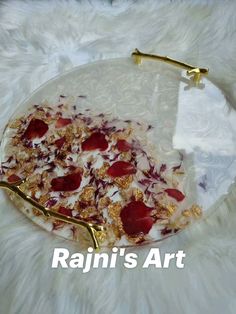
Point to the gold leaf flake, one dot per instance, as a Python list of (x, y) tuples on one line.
[(15, 124), (187, 213), (178, 172), (102, 172), (101, 236), (196, 211), (126, 156), (124, 182), (36, 212), (114, 210), (87, 195), (87, 212), (138, 194), (103, 202), (171, 208)]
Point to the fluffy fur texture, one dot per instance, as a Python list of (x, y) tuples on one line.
[(40, 39)]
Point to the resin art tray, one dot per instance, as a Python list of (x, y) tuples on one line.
[(118, 153)]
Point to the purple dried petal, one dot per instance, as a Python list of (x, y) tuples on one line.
[(114, 193), (203, 183), (8, 160), (52, 166), (41, 185), (150, 127), (28, 144), (51, 202), (82, 205), (163, 168), (177, 167), (106, 157), (166, 231), (181, 155), (145, 182)]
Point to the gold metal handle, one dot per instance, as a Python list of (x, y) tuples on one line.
[(92, 228), (195, 72)]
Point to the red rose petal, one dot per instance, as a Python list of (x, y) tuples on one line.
[(36, 129), (96, 141), (136, 219), (174, 193), (143, 225), (60, 142), (13, 178), (121, 168), (67, 183), (65, 211), (61, 122), (123, 146)]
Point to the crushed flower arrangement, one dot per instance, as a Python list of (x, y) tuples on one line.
[(99, 169)]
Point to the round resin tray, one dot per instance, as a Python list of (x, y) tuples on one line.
[(139, 150)]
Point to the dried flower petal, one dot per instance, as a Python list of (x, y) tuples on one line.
[(51, 202), (136, 219), (166, 231), (95, 141), (61, 122), (66, 183), (123, 146), (163, 168), (60, 142), (36, 129), (65, 211), (121, 168), (174, 193), (13, 178)]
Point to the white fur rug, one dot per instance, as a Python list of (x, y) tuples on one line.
[(40, 39)]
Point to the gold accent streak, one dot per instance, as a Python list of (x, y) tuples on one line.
[(92, 228), (194, 71)]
